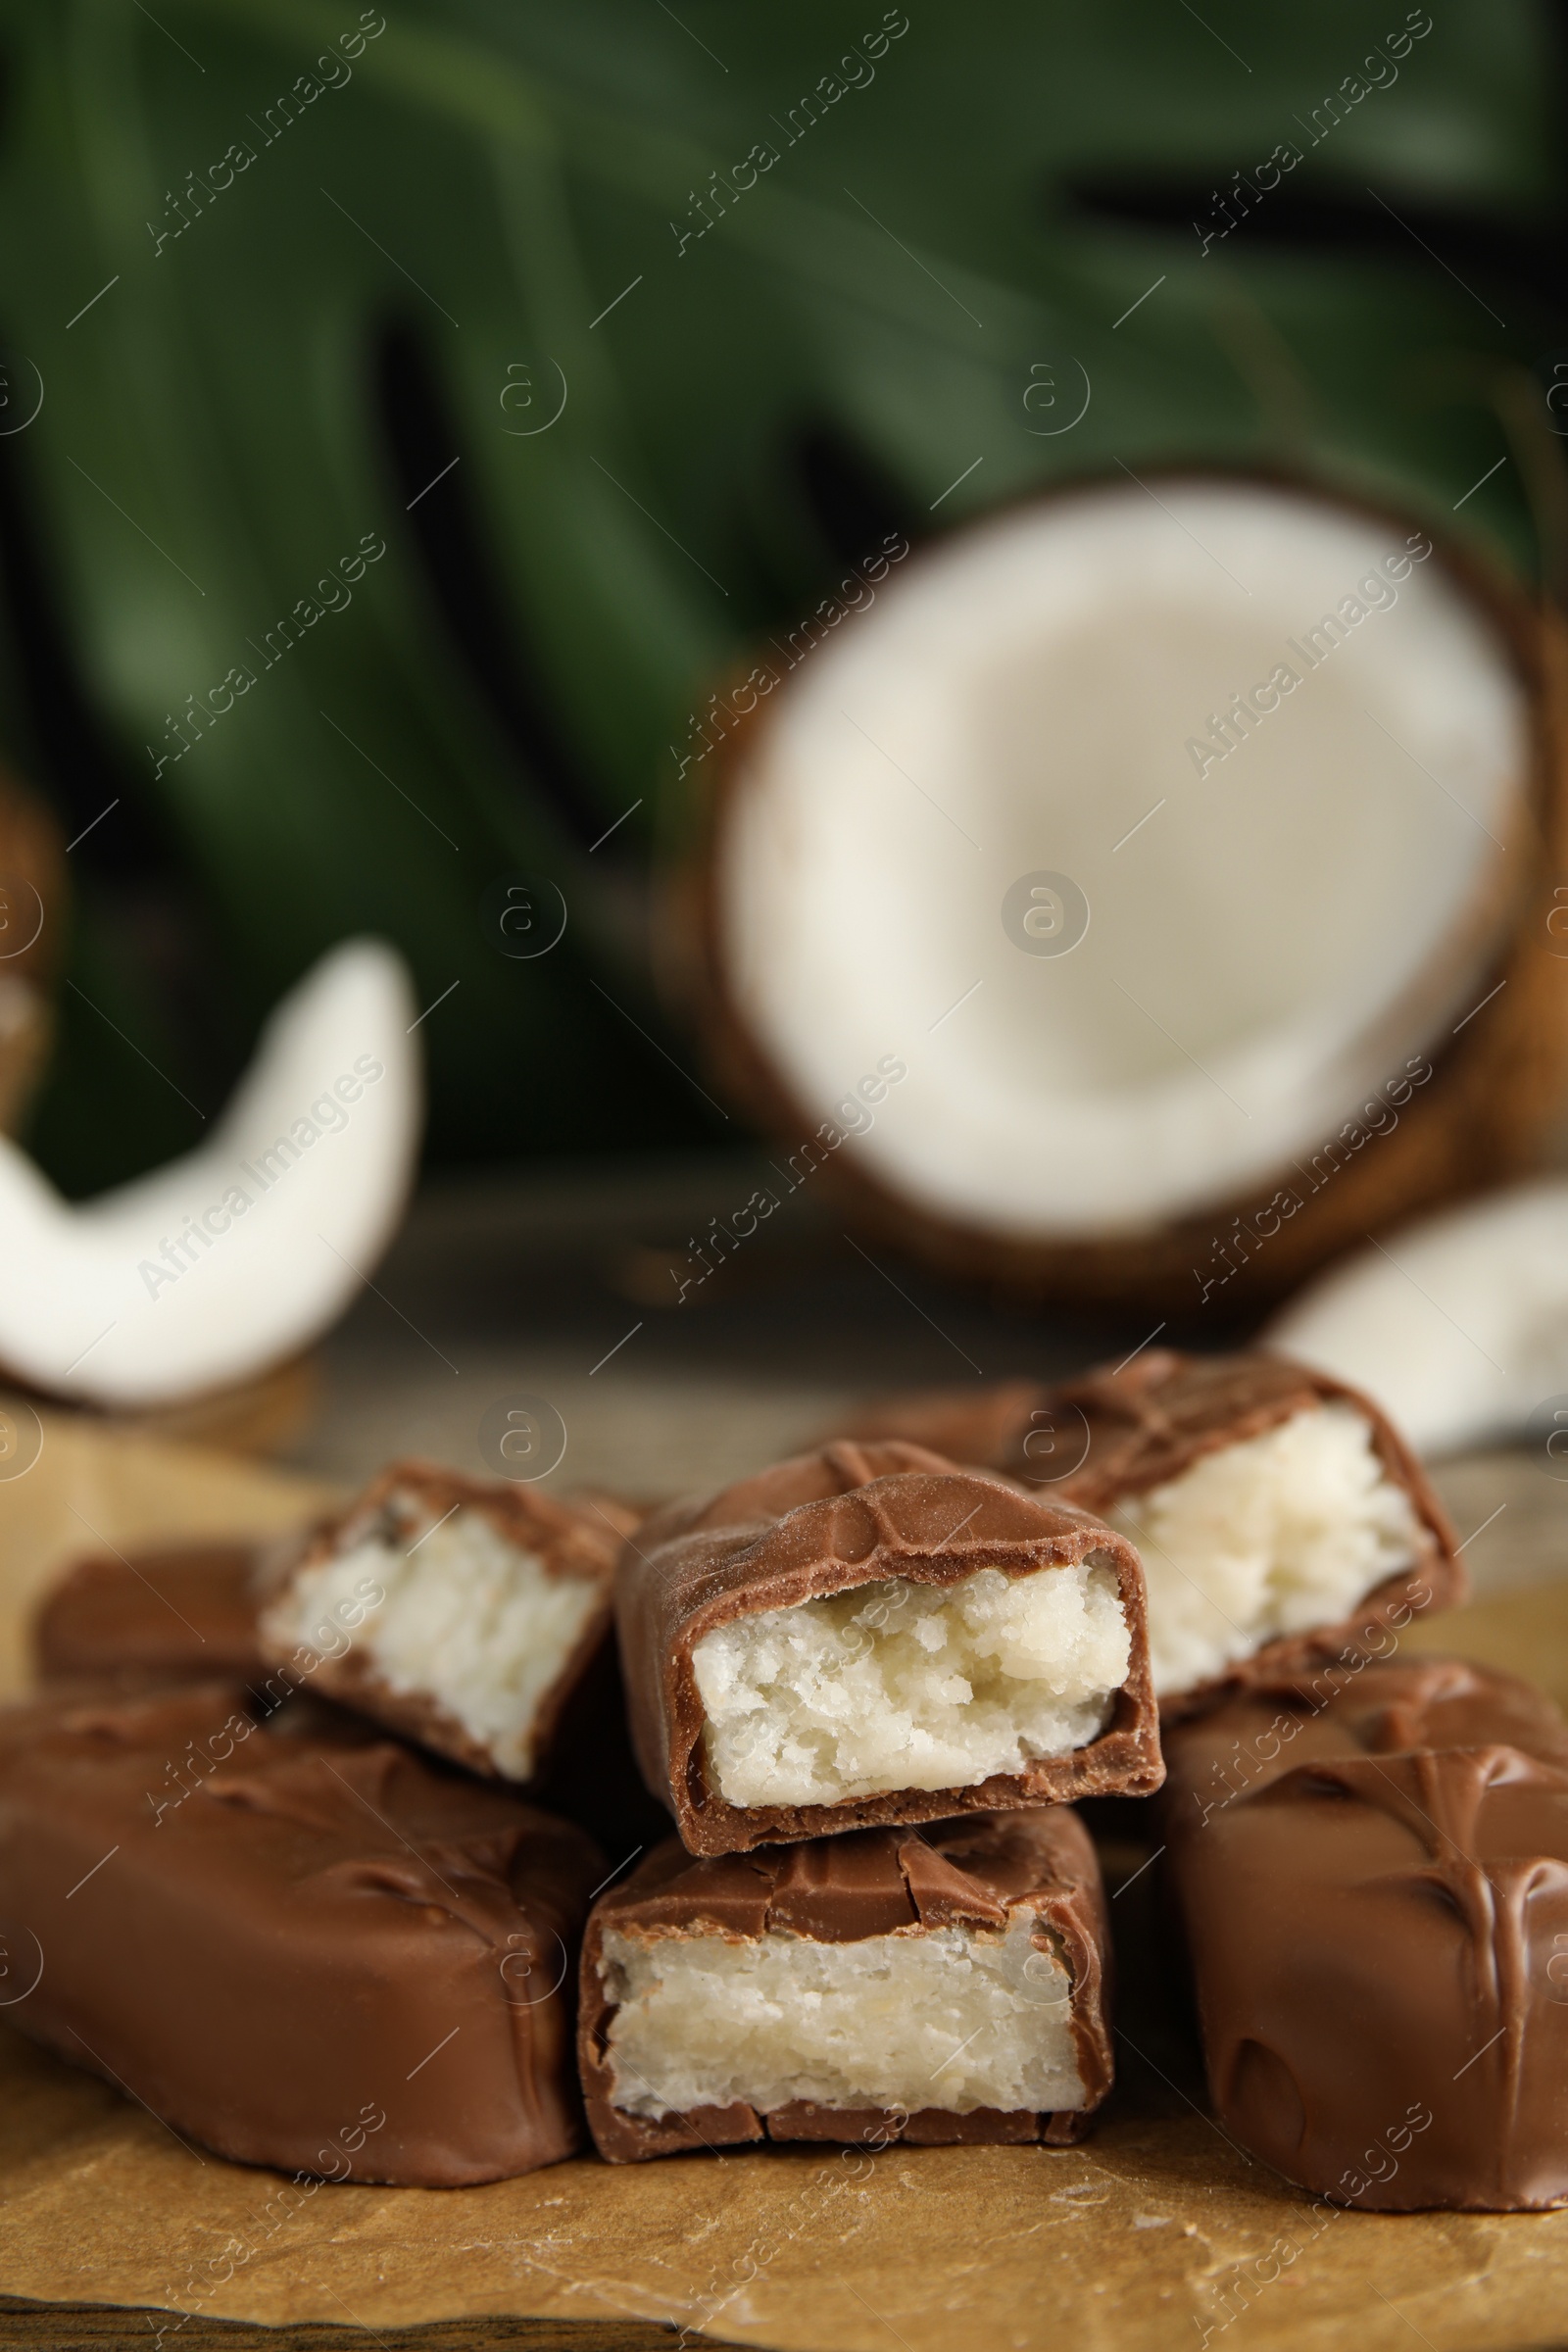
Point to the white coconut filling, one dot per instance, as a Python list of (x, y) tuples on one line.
[(953, 2018), (469, 1620), (1274, 1536), (905, 1686)]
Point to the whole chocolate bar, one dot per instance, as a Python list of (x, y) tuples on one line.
[(1279, 1515), (268, 1937), (933, 1987), (462, 1612), (1372, 1870), (181, 1613), (868, 1634)]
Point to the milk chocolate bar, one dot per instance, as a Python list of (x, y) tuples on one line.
[(181, 1613), (868, 1634), (931, 1986), (1279, 1515), (310, 1949), (462, 1612), (1372, 1869)]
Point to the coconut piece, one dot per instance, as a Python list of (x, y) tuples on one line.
[(229, 1260), (869, 1633), (1458, 1323), (1276, 1513), (883, 1986), (463, 1612), (1303, 774)]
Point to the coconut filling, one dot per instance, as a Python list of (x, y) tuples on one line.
[(1271, 1536), (902, 1686), (951, 2018), (469, 1620)]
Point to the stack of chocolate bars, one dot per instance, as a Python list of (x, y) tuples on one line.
[(367, 1840)]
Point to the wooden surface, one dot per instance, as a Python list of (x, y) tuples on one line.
[(104, 2328)]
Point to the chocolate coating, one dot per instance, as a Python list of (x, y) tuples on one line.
[(1372, 1870), (268, 1937), (185, 1611), (968, 1872), (1110, 1434), (827, 1522), (579, 1542)]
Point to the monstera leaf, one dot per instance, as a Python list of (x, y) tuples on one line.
[(435, 406)]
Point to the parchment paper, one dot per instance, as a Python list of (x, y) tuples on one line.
[(1155, 2235)]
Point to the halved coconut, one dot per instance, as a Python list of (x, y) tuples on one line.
[(229, 1260), (1136, 898)]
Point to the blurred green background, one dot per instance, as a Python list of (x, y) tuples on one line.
[(365, 334)]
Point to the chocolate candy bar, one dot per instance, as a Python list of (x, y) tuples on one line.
[(462, 1612), (1278, 1514), (868, 1634), (934, 1987), (269, 1938), (182, 1611), (1372, 1869)]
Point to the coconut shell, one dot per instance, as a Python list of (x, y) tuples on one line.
[(1484, 1115)]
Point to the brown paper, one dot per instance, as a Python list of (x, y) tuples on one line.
[(1157, 2234)]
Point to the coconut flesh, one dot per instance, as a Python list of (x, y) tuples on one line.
[(1458, 1323), (228, 1260), (1287, 897)]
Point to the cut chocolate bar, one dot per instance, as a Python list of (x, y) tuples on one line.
[(460, 1611), (932, 1986), (183, 1611), (268, 1937), (1372, 1869), (868, 1634), (1278, 1514)]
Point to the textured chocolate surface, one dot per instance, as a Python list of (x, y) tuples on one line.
[(569, 1542), (1112, 1434), (826, 1522), (271, 1937), (968, 1872), (1372, 1870), (181, 1613)]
